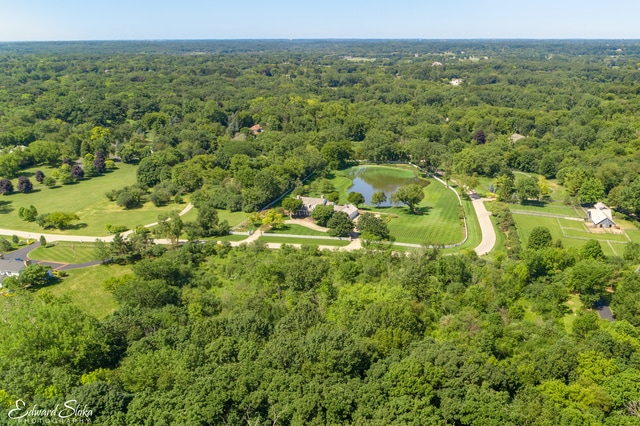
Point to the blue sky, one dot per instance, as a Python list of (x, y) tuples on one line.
[(27, 20)]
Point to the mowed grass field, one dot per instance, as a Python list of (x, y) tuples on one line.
[(569, 232), (85, 198), (84, 288), (65, 252), (438, 224)]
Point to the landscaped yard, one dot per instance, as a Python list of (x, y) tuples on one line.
[(438, 224), (65, 252), (84, 288)]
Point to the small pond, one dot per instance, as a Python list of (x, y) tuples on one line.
[(370, 179)]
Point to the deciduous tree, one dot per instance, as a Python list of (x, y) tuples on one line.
[(355, 198), (410, 195), (378, 198)]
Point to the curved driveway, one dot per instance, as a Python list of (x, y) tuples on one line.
[(488, 232)]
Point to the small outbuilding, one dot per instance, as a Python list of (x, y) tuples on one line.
[(601, 216)]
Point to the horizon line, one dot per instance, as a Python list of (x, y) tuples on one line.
[(160, 40)]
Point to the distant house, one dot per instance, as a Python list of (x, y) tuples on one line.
[(516, 137), (10, 268), (436, 64), (601, 217), (256, 129), (310, 203), (456, 81)]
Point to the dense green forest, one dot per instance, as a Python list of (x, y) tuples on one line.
[(209, 334)]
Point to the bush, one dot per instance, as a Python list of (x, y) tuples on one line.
[(49, 181)]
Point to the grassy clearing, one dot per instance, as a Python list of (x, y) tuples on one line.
[(575, 304), (572, 237), (305, 241), (85, 198), (293, 229), (438, 224), (65, 252), (84, 288), (547, 207)]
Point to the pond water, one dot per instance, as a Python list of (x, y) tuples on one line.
[(367, 180)]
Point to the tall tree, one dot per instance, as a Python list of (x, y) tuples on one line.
[(170, 226), (6, 187), (355, 198), (340, 225), (409, 195), (527, 188), (24, 184), (539, 238), (99, 162), (378, 198)]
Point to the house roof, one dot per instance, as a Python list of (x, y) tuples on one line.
[(310, 202), (599, 215), (11, 265), (347, 208), (599, 205)]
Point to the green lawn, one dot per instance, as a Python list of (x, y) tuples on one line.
[(547, 207), (65, 252), (309, 241), (572, 237), (84, 288), (85, 198), (473, 227), (293, 229), (439, 223), (634, 234)]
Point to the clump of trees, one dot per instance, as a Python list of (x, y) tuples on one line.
[(128, 197), (28, 214), (57, 220)]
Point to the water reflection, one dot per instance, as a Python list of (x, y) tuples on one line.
[(367, 180)]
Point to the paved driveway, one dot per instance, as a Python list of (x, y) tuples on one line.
[(488, 232)]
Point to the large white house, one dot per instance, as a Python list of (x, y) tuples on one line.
[(310, 203)]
